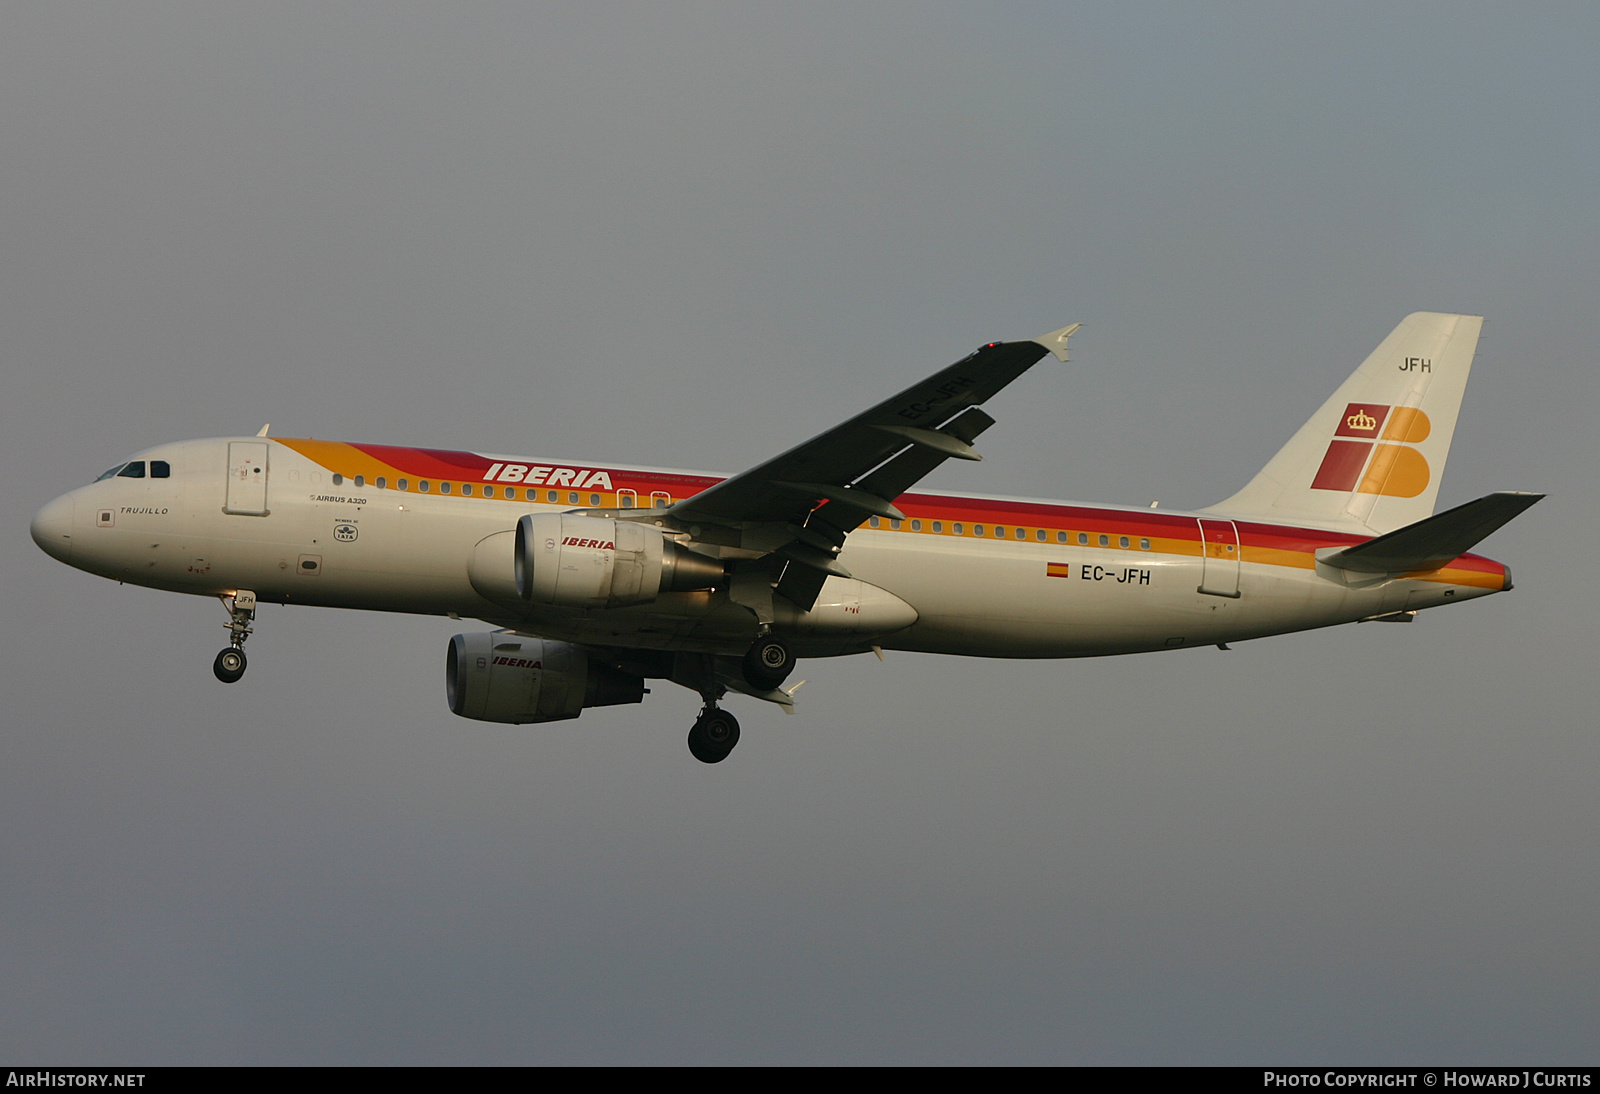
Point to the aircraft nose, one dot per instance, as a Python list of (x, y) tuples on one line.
[(52, 528)]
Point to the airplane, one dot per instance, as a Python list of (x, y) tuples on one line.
[(598, 577)]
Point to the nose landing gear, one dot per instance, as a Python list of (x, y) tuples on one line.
[(231, 662)]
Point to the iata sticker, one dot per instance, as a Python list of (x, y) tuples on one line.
[(344, 532)]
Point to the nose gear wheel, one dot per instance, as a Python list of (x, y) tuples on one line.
[(230, 665)]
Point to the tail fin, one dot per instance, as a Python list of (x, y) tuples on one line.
[(1370, 460)]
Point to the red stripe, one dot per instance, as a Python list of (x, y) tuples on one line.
[(447, 464)]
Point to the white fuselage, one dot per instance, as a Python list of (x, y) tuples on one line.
[(1082, 580)]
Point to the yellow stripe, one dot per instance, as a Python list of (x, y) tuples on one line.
[(342, 458), (351, 461), (1277, 556), (1478, 579)]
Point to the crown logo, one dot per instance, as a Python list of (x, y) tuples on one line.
[(1361, 420)]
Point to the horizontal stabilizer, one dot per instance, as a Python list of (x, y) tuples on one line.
[(1434, 541)]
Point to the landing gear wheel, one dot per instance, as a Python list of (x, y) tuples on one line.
[(714, 734), (230, 665), (768, 662)]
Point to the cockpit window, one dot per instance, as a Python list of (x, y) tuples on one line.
[(134, 470), (110, 474), (160, 469)]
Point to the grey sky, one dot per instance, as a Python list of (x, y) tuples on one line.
[(689, 235)]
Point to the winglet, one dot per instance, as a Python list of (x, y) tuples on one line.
[(1056, 340), (264, 429)]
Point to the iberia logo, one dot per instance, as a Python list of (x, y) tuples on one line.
[(1395, 469)]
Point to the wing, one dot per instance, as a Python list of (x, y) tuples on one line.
[(796, 509)]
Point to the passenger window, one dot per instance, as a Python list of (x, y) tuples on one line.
[(423, 486), (1123, 542), (660, 499), (134, 470), (1061, 537), (1039, 535), (572, 498), (466, 488), (977, 529), (874, 522), (400, 484), (1083, 537), (1022, 533), (553, 496), (956, 528), (444, 488), (338, 479), (361, 480), (938, 526), (594, 499), (1144, 544), (488, 491), (999, 532), (894, 524), (160, 469), (916, 526), (1105, 541), (380, 483)]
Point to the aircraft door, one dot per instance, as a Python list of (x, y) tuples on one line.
[(1220, 544), (247, 478)]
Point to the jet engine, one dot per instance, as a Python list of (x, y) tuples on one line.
[(504, 677), (572, 561)]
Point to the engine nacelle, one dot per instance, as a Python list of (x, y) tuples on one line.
[(573, 561), (504, 677)]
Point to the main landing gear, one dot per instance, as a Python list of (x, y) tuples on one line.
[(768, 662), (713, 735), (765, 665), (231, 662)]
